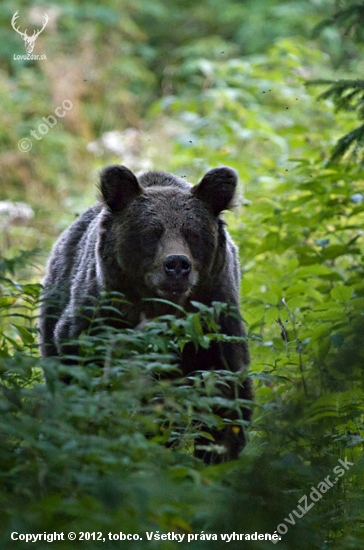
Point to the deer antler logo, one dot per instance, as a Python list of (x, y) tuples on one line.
[(29, 40)]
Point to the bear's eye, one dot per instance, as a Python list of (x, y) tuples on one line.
[(151, 238), (193, 237)]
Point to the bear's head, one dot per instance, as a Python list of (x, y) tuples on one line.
[(160, 237)]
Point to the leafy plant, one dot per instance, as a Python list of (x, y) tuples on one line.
[(347, 94)]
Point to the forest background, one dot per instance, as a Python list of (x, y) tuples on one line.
[(186, 86)]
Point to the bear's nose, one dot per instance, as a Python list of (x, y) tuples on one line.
[(177, 266)]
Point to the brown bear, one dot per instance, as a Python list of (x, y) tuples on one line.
[(154, 236)]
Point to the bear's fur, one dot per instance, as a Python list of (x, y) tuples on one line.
[(155, 236)]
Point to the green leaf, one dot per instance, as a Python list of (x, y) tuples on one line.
[(7, 301), (341, 293), (25, 334)]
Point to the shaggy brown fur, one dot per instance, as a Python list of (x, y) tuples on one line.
[(152, 237)]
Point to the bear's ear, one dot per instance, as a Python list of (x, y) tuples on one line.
[(217, 189), (118, 186)]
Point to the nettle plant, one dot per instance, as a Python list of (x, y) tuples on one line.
[(121, 382), (124, 419), (142, 367)]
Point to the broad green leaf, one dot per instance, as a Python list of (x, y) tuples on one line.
[(341, 293)]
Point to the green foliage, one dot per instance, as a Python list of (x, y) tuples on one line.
[(112, 451), (350, 19), (301, 249), (113, 61), (255, 114), (96, 445), (18, 302), (347, 95)]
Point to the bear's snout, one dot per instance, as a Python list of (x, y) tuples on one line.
[(173, 276), (177, 266)]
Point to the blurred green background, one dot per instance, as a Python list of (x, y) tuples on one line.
[(185, 86)]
